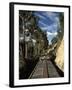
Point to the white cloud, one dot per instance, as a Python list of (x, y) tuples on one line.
[(50, 36), (39, 15), (44, 28), (40, 22), (51, 28), (51, 15), (49, 33)]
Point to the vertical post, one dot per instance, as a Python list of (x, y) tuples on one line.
[(24, 38), (26, 50)]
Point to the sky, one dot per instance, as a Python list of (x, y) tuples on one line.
[(49, 22)]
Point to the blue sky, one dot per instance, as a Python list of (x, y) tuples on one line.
[(49, 22)]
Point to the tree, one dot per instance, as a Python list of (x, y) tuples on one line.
[(61, 28), (29, 21)]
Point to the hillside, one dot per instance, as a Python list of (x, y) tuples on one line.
[(60, 56)]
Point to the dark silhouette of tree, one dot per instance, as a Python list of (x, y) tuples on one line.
[(27, 20), (61, 29)]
